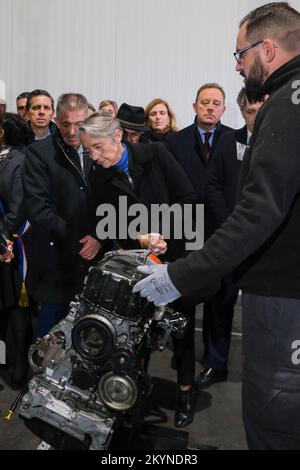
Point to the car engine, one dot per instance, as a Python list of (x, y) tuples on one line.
[(90, 385)]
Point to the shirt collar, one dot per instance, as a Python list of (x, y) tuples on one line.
[(44, 136)]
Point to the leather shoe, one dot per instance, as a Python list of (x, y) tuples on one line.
[(184, 413), (209, 376)]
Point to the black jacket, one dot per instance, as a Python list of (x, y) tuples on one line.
[(11, 197), (156, 177), (222, 176), (263, 231), (186, 146), (11, 190), (31, 137), (58, 206), (149, 137)]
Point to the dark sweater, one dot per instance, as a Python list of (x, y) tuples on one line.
[(261, 236)]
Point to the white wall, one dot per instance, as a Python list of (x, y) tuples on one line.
[(126, 50)]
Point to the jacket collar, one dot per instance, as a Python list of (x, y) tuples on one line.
[(71, 154), (281, 76), (241, 135), (199, 140), (217, 126), (138, 157), (53, 129)]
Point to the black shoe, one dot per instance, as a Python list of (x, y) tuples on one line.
[(209, 376), (173, 363), (184, 413)]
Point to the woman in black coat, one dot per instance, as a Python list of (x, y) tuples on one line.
[(13, 135), (161, 121), (148, 175)]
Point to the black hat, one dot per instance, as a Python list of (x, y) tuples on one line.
[(132, 117)]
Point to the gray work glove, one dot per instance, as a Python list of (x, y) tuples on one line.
[(157, 287)]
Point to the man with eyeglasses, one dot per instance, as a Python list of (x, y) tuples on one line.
[(260, 239)]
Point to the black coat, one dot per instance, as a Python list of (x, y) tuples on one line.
[(11, 197), (186, 146), (261, 236), (157, 179), (58, 206), (222, 176), (149, 137)]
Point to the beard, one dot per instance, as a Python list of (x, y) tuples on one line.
[(255, 80)]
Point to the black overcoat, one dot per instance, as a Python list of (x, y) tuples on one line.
[(58, 206), (156, 179)]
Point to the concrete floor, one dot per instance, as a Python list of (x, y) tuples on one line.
[(217, 422)]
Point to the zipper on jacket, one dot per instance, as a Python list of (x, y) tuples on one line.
[(72, 163), (130, 180)]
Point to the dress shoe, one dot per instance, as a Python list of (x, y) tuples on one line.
[(184, 413), (209, 376)]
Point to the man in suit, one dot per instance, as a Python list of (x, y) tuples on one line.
[(221, 185), (58, 206), (193, 147)]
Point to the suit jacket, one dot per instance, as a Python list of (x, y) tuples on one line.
[(222, 176), (186, 146)]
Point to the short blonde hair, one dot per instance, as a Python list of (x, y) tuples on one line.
[(100, 124)]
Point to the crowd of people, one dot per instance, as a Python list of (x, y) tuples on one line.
[(134, 152), (57, 165)]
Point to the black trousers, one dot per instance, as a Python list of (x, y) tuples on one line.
[(217, 324), (184, 353), (271, 372)]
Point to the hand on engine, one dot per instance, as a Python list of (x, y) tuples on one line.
[(90, 249), (157, 287), (154, 242)]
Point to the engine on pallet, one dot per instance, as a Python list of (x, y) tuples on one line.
[(90, 386)]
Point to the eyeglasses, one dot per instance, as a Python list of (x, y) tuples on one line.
[(238, 54)]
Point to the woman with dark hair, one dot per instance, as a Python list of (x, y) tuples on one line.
[(14, 133)]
